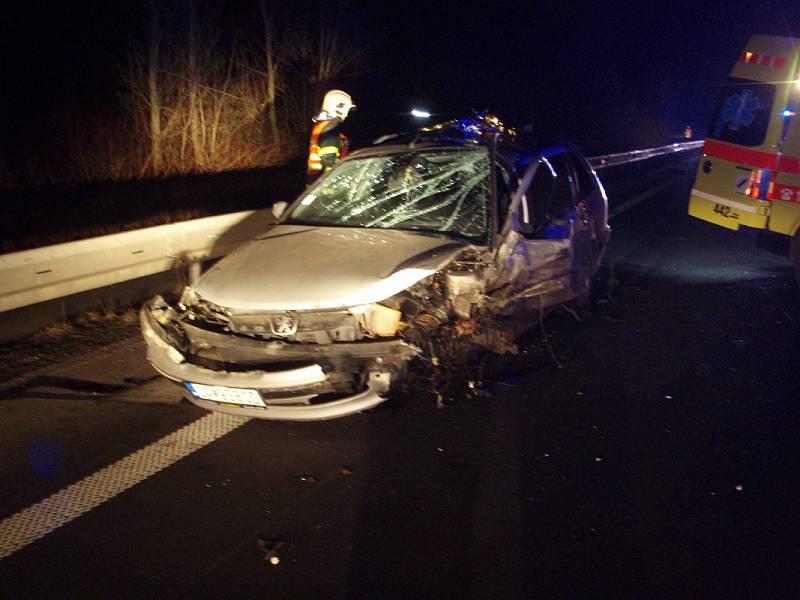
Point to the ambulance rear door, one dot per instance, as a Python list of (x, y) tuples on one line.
[(785, 210)]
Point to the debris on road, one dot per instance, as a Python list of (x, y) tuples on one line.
[(270, 548), (68, 340)]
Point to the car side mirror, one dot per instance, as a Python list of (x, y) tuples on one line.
[(279, 208)]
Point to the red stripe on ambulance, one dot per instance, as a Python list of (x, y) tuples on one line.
[(737, 154), (789, 164), (752, 158)]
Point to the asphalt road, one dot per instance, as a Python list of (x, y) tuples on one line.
[(652, 455)]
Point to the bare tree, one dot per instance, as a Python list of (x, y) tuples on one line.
[(153, 98), (271, 70), (202, 98), (321, 49)]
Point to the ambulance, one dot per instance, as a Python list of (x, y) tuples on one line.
[(749, 171)]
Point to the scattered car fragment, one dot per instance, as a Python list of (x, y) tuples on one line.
[(424, 245)]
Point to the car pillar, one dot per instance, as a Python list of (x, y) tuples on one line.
[(493, 185)]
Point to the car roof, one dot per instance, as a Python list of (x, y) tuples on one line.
[(518, 152)]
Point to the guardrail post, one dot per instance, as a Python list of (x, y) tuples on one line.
[(195, 268)]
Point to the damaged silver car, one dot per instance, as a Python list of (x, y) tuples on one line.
[(453, 238)]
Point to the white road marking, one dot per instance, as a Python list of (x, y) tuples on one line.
[(36, 521), (629, 204)]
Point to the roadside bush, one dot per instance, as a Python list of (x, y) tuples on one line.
[(62, 213)]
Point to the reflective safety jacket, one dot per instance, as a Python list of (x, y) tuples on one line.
[(327, 144)]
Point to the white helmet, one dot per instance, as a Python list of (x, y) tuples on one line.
[(337, 104)]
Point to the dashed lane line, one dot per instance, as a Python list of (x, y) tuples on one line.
[(36, 521)]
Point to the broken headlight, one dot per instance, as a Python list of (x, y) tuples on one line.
[(188, 298), (377, 319), (162, 312), (382, 320)]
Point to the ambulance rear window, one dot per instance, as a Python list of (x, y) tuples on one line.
[(742, 115)]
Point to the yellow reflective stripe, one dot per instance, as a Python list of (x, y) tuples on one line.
[(328, 150)]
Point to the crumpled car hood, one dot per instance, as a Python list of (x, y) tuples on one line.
[(301, 267)]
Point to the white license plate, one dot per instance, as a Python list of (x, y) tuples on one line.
[(219, 393)]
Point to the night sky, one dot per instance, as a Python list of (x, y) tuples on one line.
[(583, 71), (565, 67)]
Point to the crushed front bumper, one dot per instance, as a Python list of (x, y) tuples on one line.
[(291, 391)]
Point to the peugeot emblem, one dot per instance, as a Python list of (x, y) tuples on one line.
[(284, 325)]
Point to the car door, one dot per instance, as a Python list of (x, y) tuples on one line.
[(543, 240), (582, 235)]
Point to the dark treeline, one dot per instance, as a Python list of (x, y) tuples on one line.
[(198, 86)]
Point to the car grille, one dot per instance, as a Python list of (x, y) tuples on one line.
[(315, 327), (321, 327)]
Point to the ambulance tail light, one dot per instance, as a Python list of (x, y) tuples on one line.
[(760, 184)]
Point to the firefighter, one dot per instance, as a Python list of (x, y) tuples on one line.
[(328, 143)]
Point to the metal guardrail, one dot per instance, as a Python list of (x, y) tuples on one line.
[(33, 276), (623, 158)]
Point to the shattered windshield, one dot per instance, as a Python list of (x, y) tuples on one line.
[(445, 191)]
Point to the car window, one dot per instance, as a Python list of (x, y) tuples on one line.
[(537, 199), (443, 191), (550, 196), (564, 190), (586, 181)]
